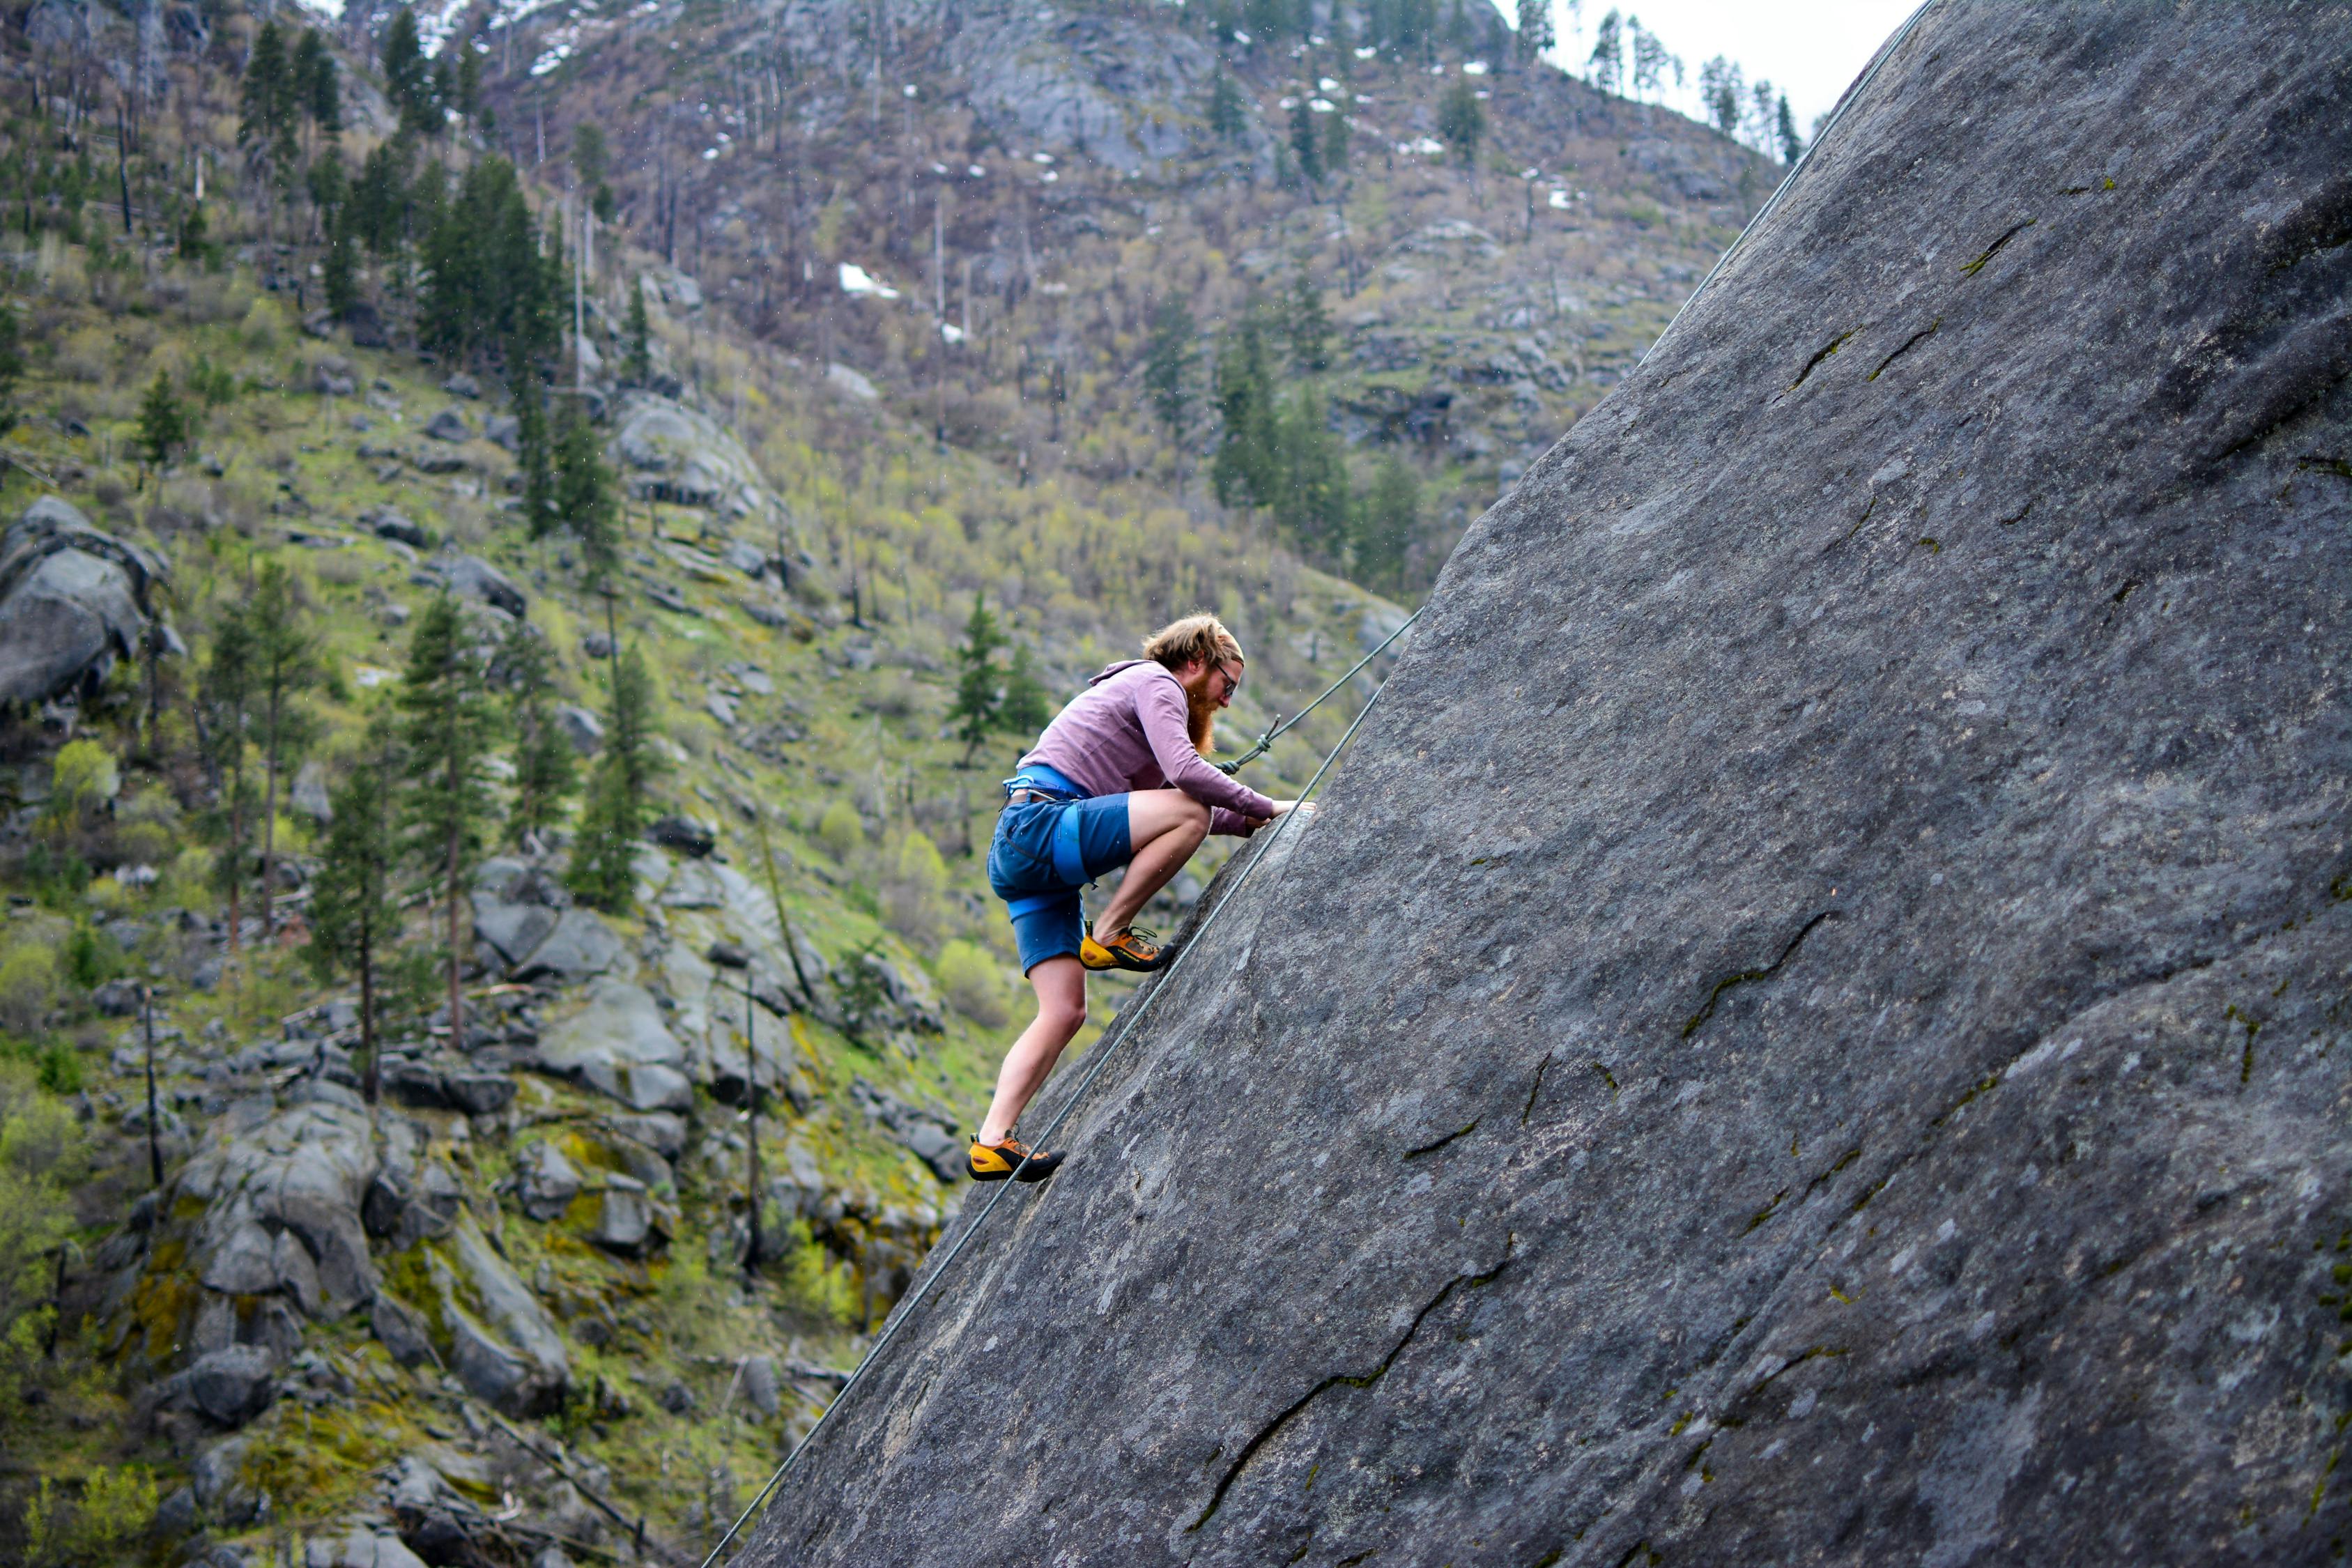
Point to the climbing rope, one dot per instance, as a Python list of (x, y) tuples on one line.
[(1123, 1027), (1265, 743), (1837, 112)]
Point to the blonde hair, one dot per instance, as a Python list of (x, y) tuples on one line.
[(1195, 639)]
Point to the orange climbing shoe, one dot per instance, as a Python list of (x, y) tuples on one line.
[(995, 1162), (1131, 949)]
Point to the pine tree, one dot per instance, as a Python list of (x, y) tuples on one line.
[(448, 727), (1025, 709), (1337, 134), (1386, 522), (164, 422), (1461, 119), (535, 456), (1720, 84), (979, 702), (339, 275), (1310, 504), (1168, 369), (269, 93), (1305, 143), (1784, 127), (12, 365), (225, 701), (545, 772), (1228, 110), (1534, 30), (407, 78), (603, 870), (637, 364), (586, 498), (1245, 470), (318, 90), (1307, 324), (467, 90), (588, 154), (285, 665), (353, 911), (1606, 65)]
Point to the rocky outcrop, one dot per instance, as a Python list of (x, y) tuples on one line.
[(1808, 1028), (617, 1043), (73, 600), (680, 455), (281, 1210)]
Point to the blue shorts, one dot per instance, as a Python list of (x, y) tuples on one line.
[(1043, 852)]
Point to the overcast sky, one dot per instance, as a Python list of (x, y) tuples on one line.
[(1811, 49)]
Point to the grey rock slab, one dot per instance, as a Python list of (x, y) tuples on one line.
[(508, 1350), (584, 729), (479, 1093), (546, 1181), (1809, 1025), (580, 944), (367, 1547), (471, 577), (401, 1331), (300, 1174), (73, 600), (310, 792), (624, 1218), (514, 930), (449, 425), (618, 1044), (232, 1385)]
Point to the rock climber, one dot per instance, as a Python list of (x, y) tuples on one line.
[(1117, 779)]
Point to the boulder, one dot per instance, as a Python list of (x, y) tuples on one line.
[(617, 1043), (582, 728), (401, 1331), (449, 425), (390, 524), (506, 1348), (461, 384), (504, 430), (683, 456), (758, 1376), (367, 1547), (478, 1093), (72, 601), (516, 930), (1911, 1130), (624, 1218), (578, 945), (230, 1386), (280, 1207), (685, 835), (471, 577), (310, 792), (545, 1182)]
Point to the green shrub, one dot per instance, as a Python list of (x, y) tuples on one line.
[(59, 1069), (974, 984), (840, 830), (92, 957), (914, 889), (29, 982)]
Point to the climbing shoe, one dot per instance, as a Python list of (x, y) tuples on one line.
[(995, 1162), (1130, 949)]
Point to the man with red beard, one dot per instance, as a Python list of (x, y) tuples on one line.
[(1117, 779)]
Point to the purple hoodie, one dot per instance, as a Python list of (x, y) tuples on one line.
[(1129, 731)]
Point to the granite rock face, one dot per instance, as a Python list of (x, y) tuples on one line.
[(1813, 1026)]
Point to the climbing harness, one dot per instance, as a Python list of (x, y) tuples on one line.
[(1122, 1028), (1265, 743), (1837, 112)]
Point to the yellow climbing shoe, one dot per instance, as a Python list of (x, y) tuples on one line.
[(1133, 949), (995, 1162)]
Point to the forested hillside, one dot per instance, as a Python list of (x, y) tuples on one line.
[(532, 534)]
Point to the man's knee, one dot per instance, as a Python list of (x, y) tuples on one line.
[(1065, 1017), (1196, 818)]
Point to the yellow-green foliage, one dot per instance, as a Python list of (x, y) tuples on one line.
[(840, 830), (114, 1507), (28, 980), (43, 1156), (914, 889), (973, 983), (82, 776)]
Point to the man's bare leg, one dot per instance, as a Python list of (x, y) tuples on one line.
[(1061, 987), (1163, 827)]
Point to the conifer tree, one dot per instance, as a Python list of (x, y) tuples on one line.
[(637, 364), (339, 274), (165, 424), (224, 699), (1461, 120), (270, 95), (1025, 709), (586, 498), (1310, 502), (354, 910), (1338, 138), (284, 658), (317, 89), (1385, 523), (407, 78), (467, 95), (1305, 143), (978, 708), (1606, 64), (1228, 110), (1307, 324), (545, 773), (448, 727), (1534, 30), (603, 871), (12, 365), (535, 456), (1167, 370), (1245, 467), (1784, 130)]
